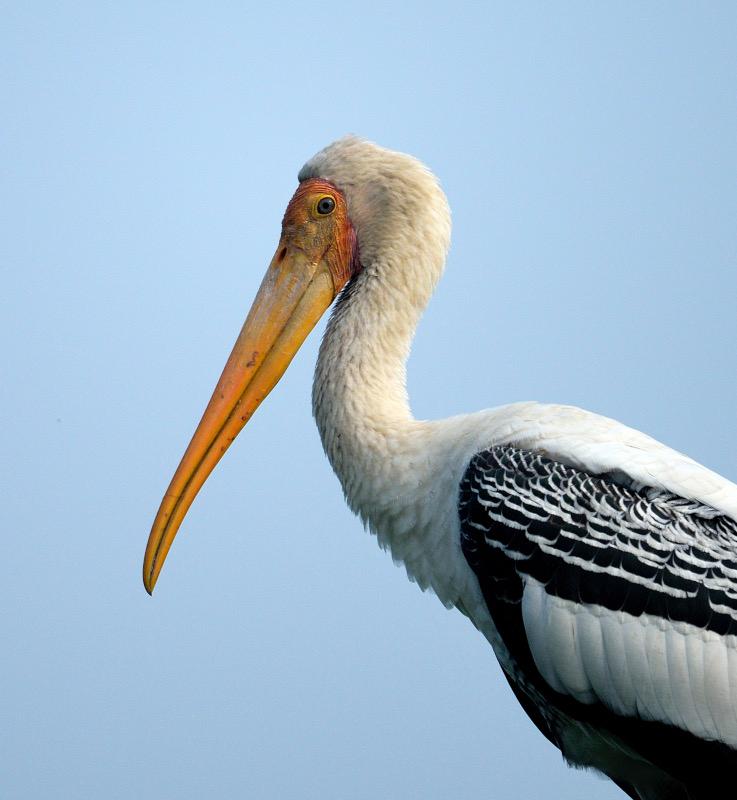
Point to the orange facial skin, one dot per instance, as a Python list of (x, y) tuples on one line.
[(303, 223), (317, 254)]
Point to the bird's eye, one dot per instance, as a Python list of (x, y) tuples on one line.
[(325, 206)]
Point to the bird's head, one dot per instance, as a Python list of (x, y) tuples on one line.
[(355, 201)]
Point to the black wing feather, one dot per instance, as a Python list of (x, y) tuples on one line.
[(591, 540)]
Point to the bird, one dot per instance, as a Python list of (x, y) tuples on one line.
[(599, 564)]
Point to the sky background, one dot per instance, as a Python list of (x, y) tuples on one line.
[(147, 152)]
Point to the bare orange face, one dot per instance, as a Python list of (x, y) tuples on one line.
[(317, 217), (317, 254)]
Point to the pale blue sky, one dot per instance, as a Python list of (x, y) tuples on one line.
[(148, 151)]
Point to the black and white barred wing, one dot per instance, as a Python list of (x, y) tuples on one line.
[(621, 597)]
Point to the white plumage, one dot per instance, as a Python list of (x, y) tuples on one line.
[(635, 665), (600, 564), (401, 475)]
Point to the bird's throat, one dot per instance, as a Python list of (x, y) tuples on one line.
[(359, 393)]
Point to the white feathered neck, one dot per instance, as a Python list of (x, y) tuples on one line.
[(402, 223), (394, 470)]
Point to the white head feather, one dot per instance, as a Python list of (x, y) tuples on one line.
[(397, 207)]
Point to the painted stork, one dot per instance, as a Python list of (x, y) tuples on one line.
[(600, 565)]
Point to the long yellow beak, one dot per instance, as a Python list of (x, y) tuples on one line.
[(294, 294)]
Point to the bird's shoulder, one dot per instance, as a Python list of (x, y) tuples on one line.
[(601, 446)]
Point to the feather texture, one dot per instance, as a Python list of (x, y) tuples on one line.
[(600, 564), (620, 608)]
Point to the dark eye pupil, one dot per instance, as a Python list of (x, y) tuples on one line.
[(326, 205)]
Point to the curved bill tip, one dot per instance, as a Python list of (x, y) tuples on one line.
[(294, 294)]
